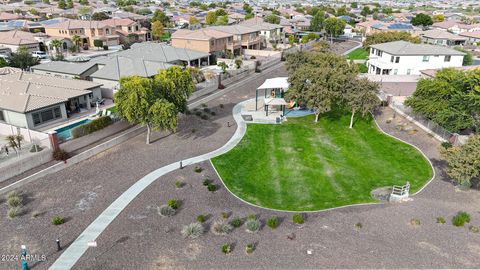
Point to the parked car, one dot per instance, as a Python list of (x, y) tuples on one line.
[(40, 54)]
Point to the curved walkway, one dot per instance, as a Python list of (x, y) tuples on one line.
[(73, 253)]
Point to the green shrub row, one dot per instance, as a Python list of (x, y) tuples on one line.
[(94, 125)]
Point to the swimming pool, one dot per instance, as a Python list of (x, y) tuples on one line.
[(65, 133)]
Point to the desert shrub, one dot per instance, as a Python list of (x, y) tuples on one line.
[(272, 222), (193, 230), (253, 225), (194, 130), (446, 145), (207, 110), (221, 227), (298, 219), (201, 218), (204, 117), (441, 220), (90, 127), (236, 222), (60, 155), (166, 211), (251, 216), (198, 113), (221, 105), (207, 182), (460, 219), (358, 225), (57, 220), (224, 215), (474, 229), (14, 201), (173, 203), (227, 248), (197, 169), (179, 184), (212, 113), (13, 212), (13, 193), (203, 105), (211, 187), (415, 222), (250, 248)]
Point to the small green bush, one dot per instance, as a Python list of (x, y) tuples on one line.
[(224, 215), (179, 184), (166, 210), (460, 219), (298, 219), (14, 201), (253, 225), (194, 130), (415, 222), (227, 248), (272, 222), (13, 193), (201, 218), (441, 220), (221, 227), (358, 225), (236, 222), (446, 145), (90, 127), (197, 169), (173, 203), (60, 155), (207, 182), (251, 216), (57, 220), (193, 230), (250, 248), (13, 212), (211, 187)]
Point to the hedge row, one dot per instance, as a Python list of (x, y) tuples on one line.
[(91, 127)]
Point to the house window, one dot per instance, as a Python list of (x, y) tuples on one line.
[(107, 31), (2, 117), (373, 51), (447, 58), (392, 59), (426, 58), (409, 71), (136, 28), (129, 28), (379, 53), (46, 115), (397, 59), (229, 40), (395, 71), (212, 42)]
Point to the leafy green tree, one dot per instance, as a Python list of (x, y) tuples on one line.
[(309, 37), (387, 10), (316, 24), (83, 2), (249, 16), (62, 4), (422, 19), (342, 11), (319, 79), (361, 97), (22, 59), (464, 161), (247, 8), (56, 46), (334, 27), (99, 16), (451, 99), (222, 20), (154, 103), (98, 43), (223, 66), (321, 46), (291, 40), (220, 12), (354, 5), (211, 18), (160, 16), (384, 37), (157, 30), (76, 41), (192, 21), (143, 11), (366, 11), (46, 2), (272, 19), (204, 7), (69, 4), (3, 63)]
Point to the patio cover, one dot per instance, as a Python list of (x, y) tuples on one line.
[(275, 101), (273, 83)]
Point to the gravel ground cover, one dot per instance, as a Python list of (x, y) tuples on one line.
[(303, 165)]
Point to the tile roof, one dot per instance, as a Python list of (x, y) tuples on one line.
[(65, 67), (406, 48), (77, 24), (25, 92), (200, 34), (17, 37), (234, 29), (440, 34)]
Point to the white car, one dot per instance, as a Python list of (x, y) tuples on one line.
[(40, 54)]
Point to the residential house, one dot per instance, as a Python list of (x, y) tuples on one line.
[(456, 27), (405, 58), (207, 40), (472, 37), (33, 101), (6, 17), (248, 38), (272, 33), (89, 31), (397, 27), (440, 37), (16, 38), (129, 30), (67, 70)]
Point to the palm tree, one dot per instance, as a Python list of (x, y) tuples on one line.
[(56, 45), (76, 41)]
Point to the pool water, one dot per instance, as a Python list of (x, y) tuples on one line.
[(65, 133), (298, 113)]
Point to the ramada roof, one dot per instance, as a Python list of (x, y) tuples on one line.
[(406, 48)]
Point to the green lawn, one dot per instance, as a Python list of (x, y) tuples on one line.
[(358, 54), (302, 165)]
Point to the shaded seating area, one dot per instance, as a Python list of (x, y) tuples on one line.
[(273, 95)]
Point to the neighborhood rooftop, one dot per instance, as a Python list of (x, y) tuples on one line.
[(406, 48)]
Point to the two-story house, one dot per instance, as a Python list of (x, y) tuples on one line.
[(271, 32), (129, 30), (405, 58), (208, 40), (89, 31), (249, 38)]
